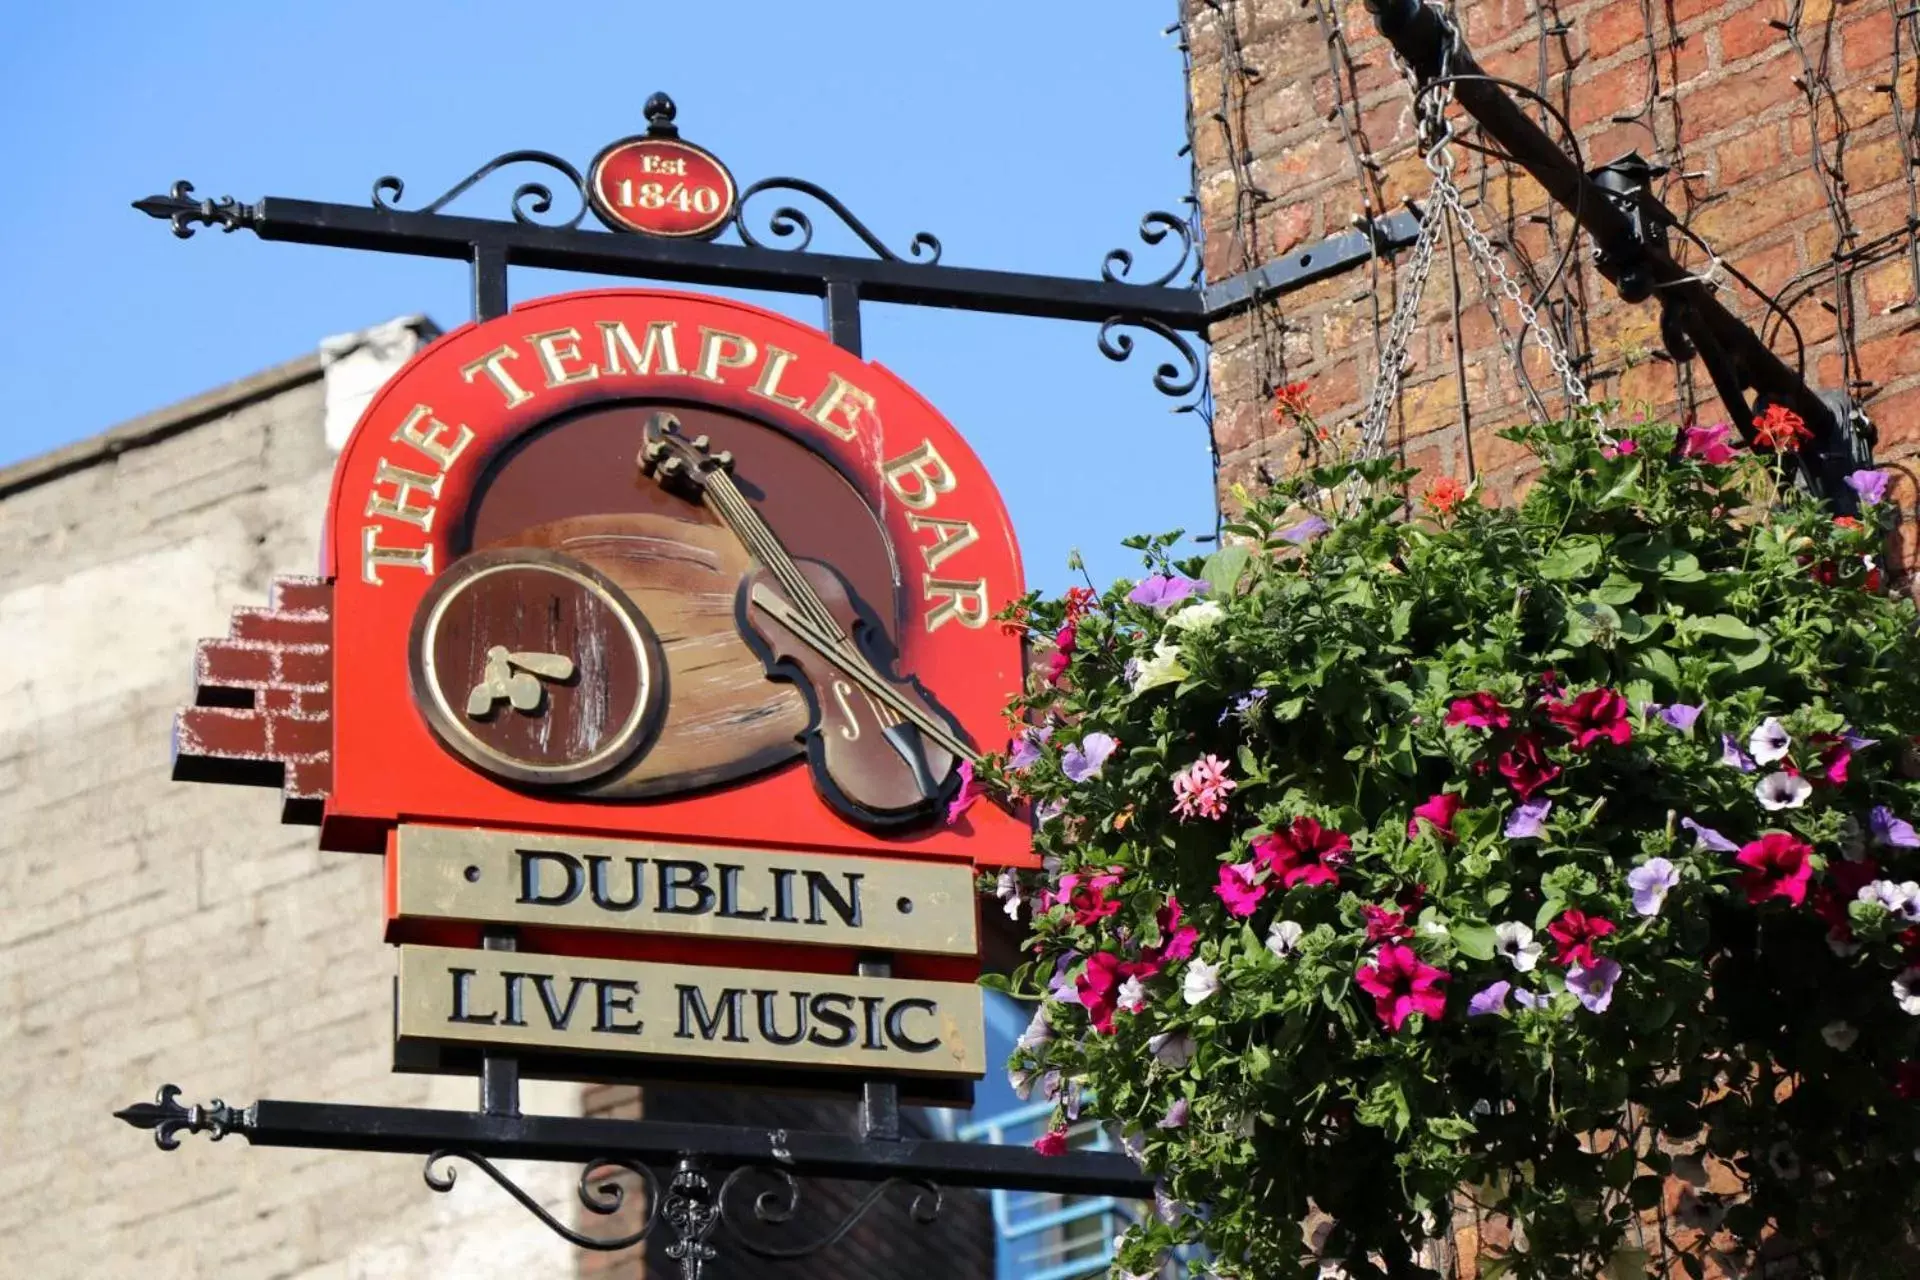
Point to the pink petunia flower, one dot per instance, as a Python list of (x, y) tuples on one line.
[(1402, 985), (1525, 766), (1595, 715), (963, 798), (1053, 1142), (1239, 889), (1708, 444), (1574, 932)]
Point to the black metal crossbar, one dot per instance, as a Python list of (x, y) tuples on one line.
[(1636, 262)]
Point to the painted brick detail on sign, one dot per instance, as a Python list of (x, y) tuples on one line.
[(264, 710)]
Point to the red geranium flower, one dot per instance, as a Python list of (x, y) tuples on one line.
[(1291, 401), (1780, 429), (1443, 496), (1478, 711), (1574, 933), (1079, 603), (1401, 986), (1304, 853), (1595, 714), (1525, 766), (1776, 866)]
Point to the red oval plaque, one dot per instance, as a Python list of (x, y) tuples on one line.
[(661, 187)]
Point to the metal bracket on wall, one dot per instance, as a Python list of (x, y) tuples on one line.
[(1307, 264)]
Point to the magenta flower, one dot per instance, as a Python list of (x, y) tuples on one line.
[(1525, 766), (1438, 810), (1619, 449), (1478, 711), (1594, 983), (1201, 790), (1870, 485), (1489, 1000), (1053, 1142), (1163, 591), (1062, 655), (1708, 444), (1085, 760), (1304, 853), (1593, 716), (1176, 940), (963, 798), (1239, 890), (1776, 867), (1529, 819), (1402, 985)]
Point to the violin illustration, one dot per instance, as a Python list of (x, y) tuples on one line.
[(878, 746)]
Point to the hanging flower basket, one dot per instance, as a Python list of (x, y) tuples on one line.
[(1548, 869)]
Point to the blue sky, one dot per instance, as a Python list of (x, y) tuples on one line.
[(1027, 136)]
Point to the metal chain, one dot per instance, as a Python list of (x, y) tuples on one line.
[(1444, 201)]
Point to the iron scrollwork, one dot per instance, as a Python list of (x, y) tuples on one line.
[(1169, 379), (791, 230), (604, 1199), (1154, 228), (530, 199), (180, 208), (692, 1209), (168, 1119)]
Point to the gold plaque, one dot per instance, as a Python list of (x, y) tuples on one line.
[(527, 878), (881, 1026)]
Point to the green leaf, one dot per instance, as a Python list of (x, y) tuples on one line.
[(996, 982), (1289, 710), (1474, 940), (1659, 664), (1753, 657), (1573, 558), (1617, 589), (1724, 625), (1224, 567)]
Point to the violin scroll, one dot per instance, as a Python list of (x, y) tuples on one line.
[(677, 463)]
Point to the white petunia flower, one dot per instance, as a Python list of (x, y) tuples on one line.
[(1902, 900), (1769, 742), (1162, 668), (1132, 997), (1782, 791), (1515, 942), (1906, 991), (1840, 1034), (1038, 1032), (1283, 939), (1198, 616), (1201, 981)]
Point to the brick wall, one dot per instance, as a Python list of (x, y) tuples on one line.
[(1726, 108), (158, 931)]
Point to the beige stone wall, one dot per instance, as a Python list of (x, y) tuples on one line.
[(155, 931)]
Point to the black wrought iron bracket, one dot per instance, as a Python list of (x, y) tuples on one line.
[(1630, 251), (776, 255), (741, 1184)]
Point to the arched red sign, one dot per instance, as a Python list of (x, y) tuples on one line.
[(647, 564)]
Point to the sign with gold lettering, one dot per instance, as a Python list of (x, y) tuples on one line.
[(699, 891), (879, 1026), (646, 564)]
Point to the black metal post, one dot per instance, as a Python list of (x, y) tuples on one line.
[(489, 280), (500, 1070), (843, 314), (879, 1100)]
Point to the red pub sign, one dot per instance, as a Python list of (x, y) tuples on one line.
[(658, 629)]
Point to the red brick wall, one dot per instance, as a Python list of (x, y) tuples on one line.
[(1725, 111)]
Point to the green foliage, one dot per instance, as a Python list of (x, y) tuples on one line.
[(1321, 661)]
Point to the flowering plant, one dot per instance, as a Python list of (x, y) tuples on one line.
[(1535, 881)]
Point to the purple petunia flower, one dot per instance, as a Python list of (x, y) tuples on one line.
[(1892, 831), (1244, 705), (1732, 756), (1680, 716), (1870, 485), (1061, 988), (1531, 1000), (1650, 882), (1049, 810), (1529, 819), (1026, 748), (1084, 760), (1489, 1000), (1163, 591), (1709, 838), (1594, 983), (1306, 531), (1176, 1117)]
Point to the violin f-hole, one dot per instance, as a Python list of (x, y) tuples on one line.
[(842, 692)]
